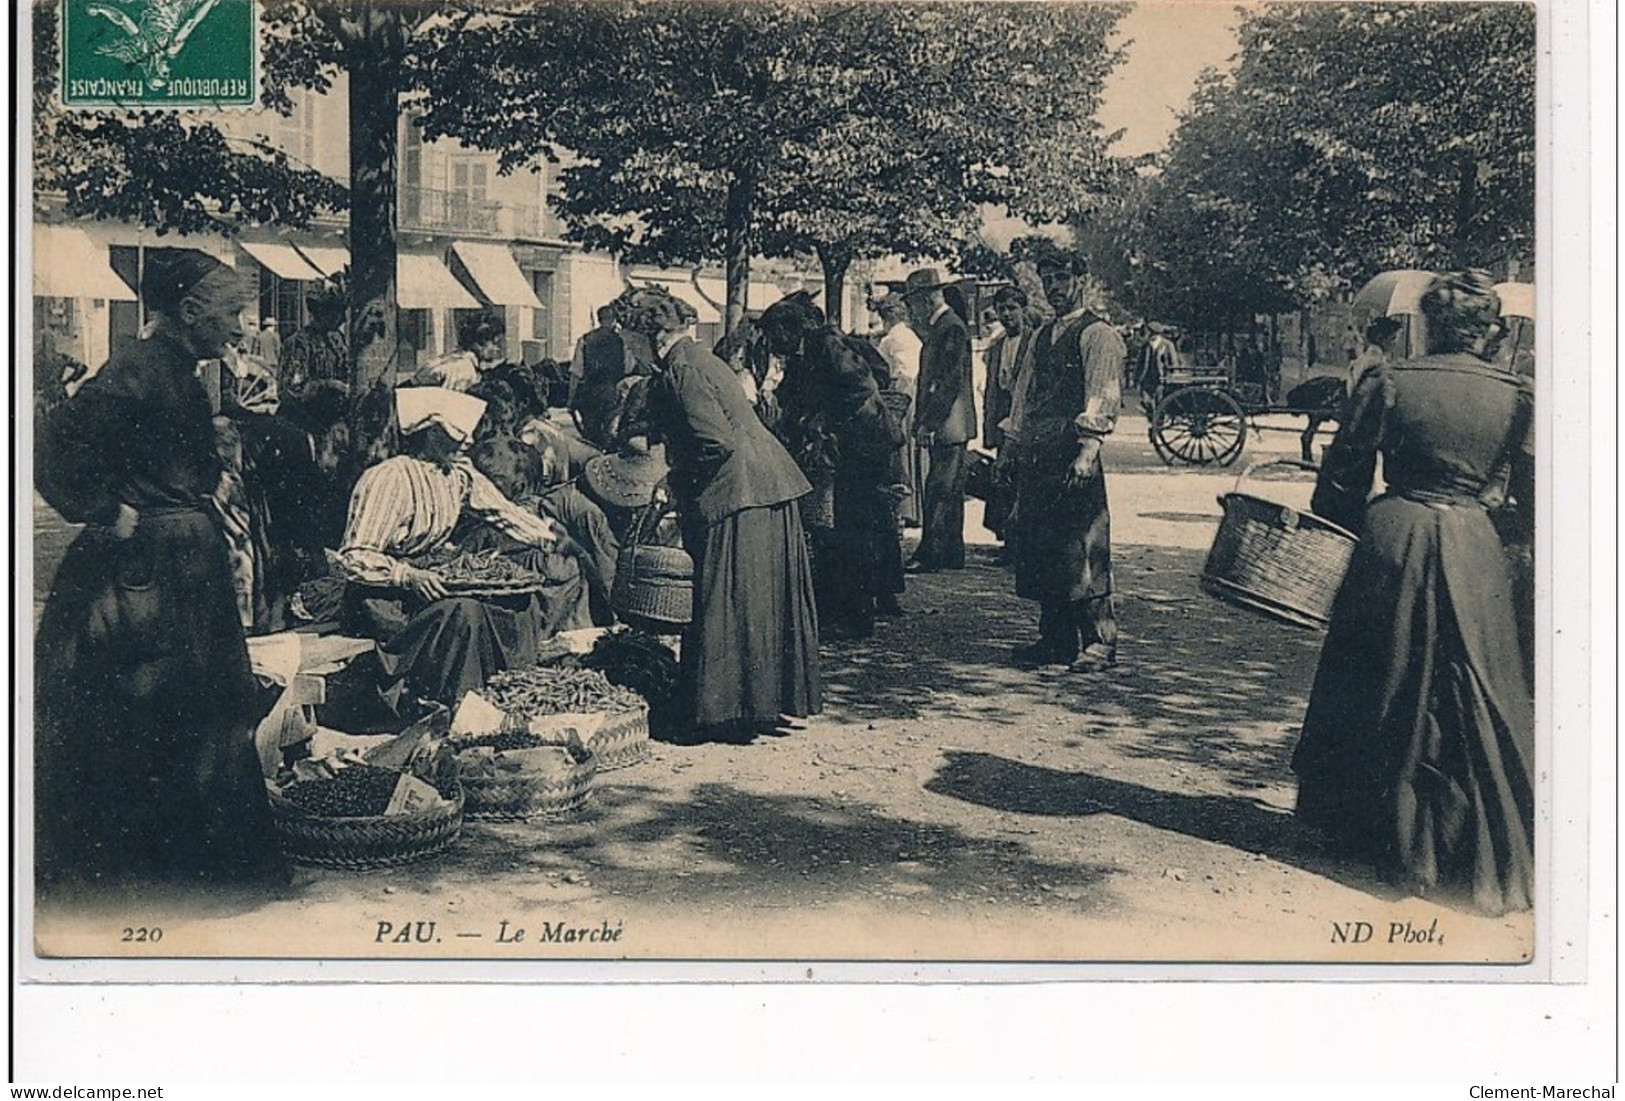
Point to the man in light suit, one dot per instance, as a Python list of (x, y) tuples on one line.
[(944, 419)]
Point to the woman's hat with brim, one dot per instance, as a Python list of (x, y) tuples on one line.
[(626, 481)]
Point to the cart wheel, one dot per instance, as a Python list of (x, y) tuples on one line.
[(1199, 426)]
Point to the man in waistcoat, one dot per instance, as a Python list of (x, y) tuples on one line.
[(1062, 536)]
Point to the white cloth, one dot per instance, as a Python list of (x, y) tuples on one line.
[(901, 349), (454, 371), (458, 413)]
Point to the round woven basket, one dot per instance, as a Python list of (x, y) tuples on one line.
[(526, 795), (360, 843), (1274, 559), (622, 741), (654, 583)]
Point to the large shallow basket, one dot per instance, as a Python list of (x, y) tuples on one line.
[(356, 844), (525, 795), (1274, 559), (623, 740)]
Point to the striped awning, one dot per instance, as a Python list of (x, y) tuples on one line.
[(495, 274), (68, 264)]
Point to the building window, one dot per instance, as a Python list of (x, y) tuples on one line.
[(412, 175), (541, 321), (296, 133)]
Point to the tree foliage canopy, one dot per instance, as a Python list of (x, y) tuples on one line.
[(172, 171), (1348, 139), (843, 128)]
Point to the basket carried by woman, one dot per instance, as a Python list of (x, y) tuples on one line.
[(653, 584), (1274, 559)]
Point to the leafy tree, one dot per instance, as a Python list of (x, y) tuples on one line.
[(1347, 140), (164, 169), (843, 129)]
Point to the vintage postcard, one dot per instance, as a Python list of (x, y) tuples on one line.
[(554, 484)]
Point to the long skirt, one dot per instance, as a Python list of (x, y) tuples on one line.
[(751, 653), (1418, 745), (145, 709), (860, 559)]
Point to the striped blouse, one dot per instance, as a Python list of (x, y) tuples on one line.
[(405, 507)]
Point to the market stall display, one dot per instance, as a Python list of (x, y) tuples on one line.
[(363, 816), (612, 720), (520, 776)]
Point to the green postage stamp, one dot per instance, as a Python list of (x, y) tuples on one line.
[(160, 53)]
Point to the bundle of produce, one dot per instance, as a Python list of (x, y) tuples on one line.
[(640, 661), (557, 690)]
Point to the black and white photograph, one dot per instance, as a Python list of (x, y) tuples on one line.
[(537, 482)]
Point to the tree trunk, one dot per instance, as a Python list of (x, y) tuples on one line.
[(1466, 210), (741, 194), (836, 262), (374, 61)]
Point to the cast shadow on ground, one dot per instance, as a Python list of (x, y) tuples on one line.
[(1237, 823), (723, 846), (1199, 681)]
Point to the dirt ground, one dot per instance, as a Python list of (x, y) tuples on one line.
[(945, 806)]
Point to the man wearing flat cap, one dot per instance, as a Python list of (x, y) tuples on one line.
[(944, 419)]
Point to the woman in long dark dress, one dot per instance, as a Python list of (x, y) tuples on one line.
[(750, 656), (145, 705), (829, 392), (1418, 746)]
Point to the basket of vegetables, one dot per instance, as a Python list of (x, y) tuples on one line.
[(614, 720), (518, 775), (365, 816)]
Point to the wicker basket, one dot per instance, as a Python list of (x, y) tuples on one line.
[(1277, 560), (622, 741), (653, 583), (525, 795), (360, 843)]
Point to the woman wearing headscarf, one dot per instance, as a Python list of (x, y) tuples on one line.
[(435, 646), (144, 702), (1418, 746), (750, 656), (830, 399)]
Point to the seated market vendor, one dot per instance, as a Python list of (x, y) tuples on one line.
[(436, 646)]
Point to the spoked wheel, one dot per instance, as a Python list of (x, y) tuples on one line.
[(1199, 426)]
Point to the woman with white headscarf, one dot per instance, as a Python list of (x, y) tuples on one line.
[(434, 646)]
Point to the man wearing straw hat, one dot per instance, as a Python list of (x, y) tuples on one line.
[(944, 419)]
